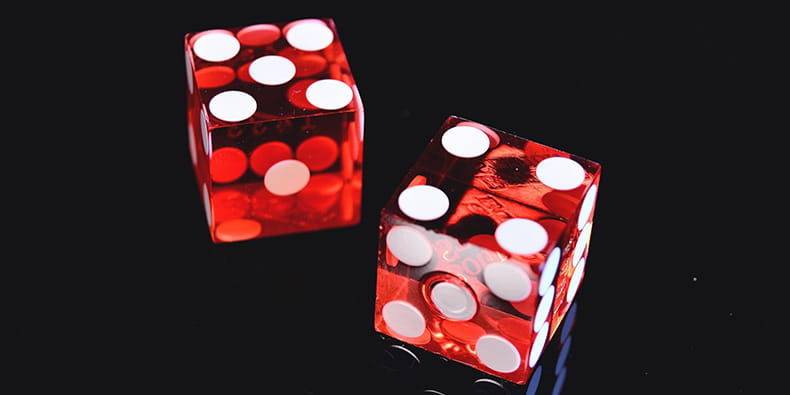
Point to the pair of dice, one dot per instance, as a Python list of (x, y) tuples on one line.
[(483, 245)]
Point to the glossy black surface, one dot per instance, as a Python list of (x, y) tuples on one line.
[(679, 105)]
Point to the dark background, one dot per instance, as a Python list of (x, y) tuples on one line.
[(685, 109)]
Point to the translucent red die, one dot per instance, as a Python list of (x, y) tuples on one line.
[(483, 247), (275, 129)]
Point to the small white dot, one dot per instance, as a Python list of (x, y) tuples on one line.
[(465, 141), (216, 46), (232, 106), (403, 318), (286, 177), (576, 279), (360, 117), (507, 281), (329, 94), (190, 74), (498, 353), (272, 70), (207, 205), (192, 144), (560, 173), (549, 270), (542, 313), (207, 147), (538, 343), (454, 301), (587, 206), (581, 244), (409, 245), (309, 35), (521, 236), (423, 202)]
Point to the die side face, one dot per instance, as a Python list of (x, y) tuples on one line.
[(275, 129), (483, 247)]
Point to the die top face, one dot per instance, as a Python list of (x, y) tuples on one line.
[(474, 174), (269, 71)]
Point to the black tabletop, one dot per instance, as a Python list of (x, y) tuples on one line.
[(679, 105)]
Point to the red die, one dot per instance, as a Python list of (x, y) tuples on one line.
[(483, 247), (275, 129)]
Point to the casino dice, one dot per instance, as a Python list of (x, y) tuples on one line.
[(275, 129), (483, 247)]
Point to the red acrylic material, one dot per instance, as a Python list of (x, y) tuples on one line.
[(483, 246), (275, 129)]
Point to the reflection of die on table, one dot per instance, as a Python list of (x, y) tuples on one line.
[(275, 129), (409, 369), (483, 247)]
